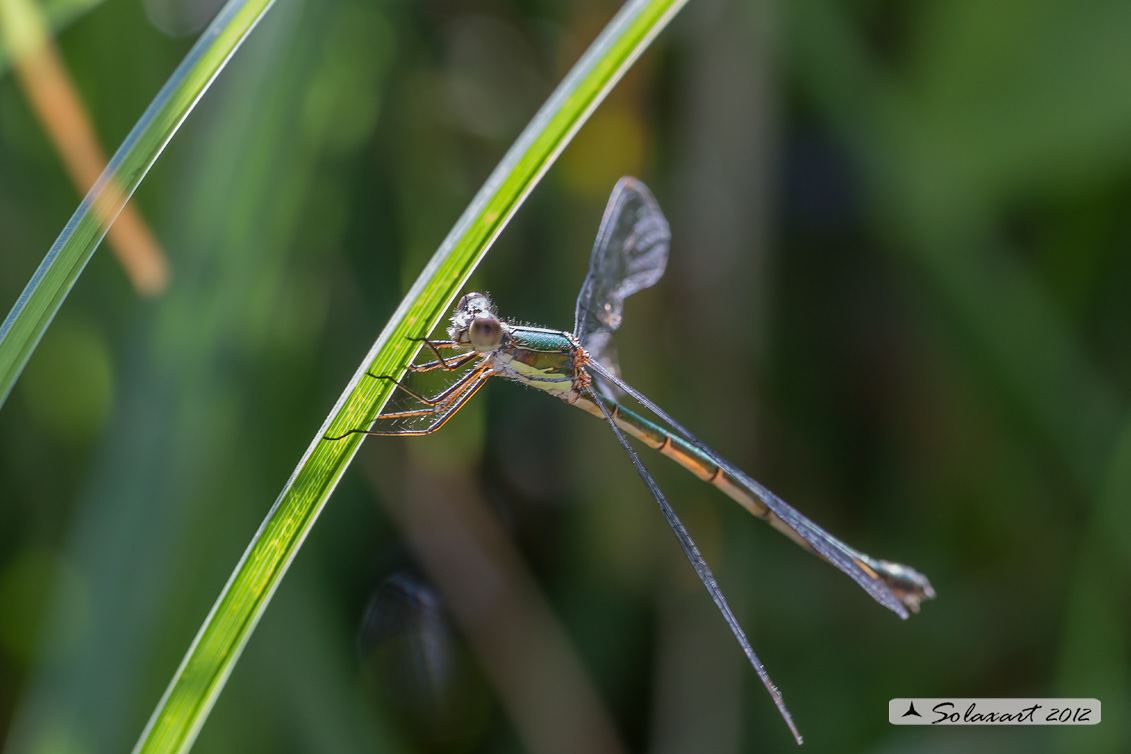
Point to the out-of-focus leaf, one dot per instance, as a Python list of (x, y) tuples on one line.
[(59, 14), (44, 294)]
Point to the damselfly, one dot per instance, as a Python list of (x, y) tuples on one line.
[(630, 254)]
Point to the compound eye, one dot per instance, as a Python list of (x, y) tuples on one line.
[(473, 303), (486, 333)]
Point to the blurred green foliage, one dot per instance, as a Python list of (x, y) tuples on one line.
[(59, 13), (897, 296)]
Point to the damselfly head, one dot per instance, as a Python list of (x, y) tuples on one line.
[(475, 323)]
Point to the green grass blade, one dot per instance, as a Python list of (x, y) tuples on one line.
[(44, 294), (217, 646)]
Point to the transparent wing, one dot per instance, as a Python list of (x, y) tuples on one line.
[(629, 255), (603, 349)]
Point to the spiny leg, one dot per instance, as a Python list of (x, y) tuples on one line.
[(439, 402), (448, 365), (436, 345), (700, 566), (436, 400), (443, 414), (468, 385), (442, 404)]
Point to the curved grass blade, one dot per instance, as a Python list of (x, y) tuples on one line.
[(52, 281), (213, 654)]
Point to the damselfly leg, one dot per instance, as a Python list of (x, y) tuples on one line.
[(419, 410)]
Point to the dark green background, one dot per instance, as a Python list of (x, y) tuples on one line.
[(898, 296)]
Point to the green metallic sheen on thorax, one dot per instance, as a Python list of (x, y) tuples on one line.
[(543, 359), (539, 339)]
